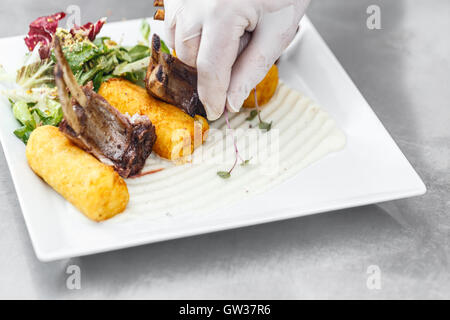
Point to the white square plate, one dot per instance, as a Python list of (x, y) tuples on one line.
[(370, 169)]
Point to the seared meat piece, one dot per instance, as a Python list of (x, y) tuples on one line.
[(95, 126), (172, 81), (159, 14)]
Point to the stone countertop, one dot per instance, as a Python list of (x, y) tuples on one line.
[(403, 70)]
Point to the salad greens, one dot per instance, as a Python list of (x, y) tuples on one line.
[(36, 74), (164, 48), (31, 115), (145, 31), (101, 59), (35, 100), (33, 108)]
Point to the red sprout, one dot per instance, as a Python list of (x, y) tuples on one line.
[(146, 173)]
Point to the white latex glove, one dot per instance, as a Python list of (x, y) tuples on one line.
[(206, 34)]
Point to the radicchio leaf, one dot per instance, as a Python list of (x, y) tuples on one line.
[(43, 29), (41, 32), (90, 30)]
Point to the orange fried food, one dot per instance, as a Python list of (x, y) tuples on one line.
[(264, 90), (90, 185), (177, 133)]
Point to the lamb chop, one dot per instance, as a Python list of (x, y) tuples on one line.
[(90, 122), (172, 81)]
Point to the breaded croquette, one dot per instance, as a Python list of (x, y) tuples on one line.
[(90, 185), (177, 133)]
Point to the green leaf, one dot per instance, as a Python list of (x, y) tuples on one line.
[(21, 112), (105, 64), (164, 47), (123, 55), (107, 77), (137, 77), (245, 162), (145, 30), (23, 133), (252, 115), (100, 43), (224, 174), (265, 126), (39, 114), (55, 118), (134, 72), (138, 52), (36, 119), (97, 81), (36, 74), (79, 54), (53, 106), (48, 112), (131, 67)]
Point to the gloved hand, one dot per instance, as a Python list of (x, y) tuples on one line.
[(206, 34)]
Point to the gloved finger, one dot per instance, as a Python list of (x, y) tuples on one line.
[(264, 49), (216, 56), (169, 36), (172, 9), (187, 40), (299, 5)]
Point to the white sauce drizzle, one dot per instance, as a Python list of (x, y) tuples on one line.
[(305, 132)]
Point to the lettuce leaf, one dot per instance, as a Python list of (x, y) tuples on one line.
[(164, 47), (134, 72), (33, 110), (145, 31), (79, 54), (24, 132), (138, 52), (36, 74)]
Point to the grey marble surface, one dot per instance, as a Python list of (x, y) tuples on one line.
[(404, 72)]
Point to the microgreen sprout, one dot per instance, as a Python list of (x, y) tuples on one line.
[(262, 124), (227, 174), (246, 162), (252, 115)]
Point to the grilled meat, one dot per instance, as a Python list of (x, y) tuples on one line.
[(172, 81), (94, 125)]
